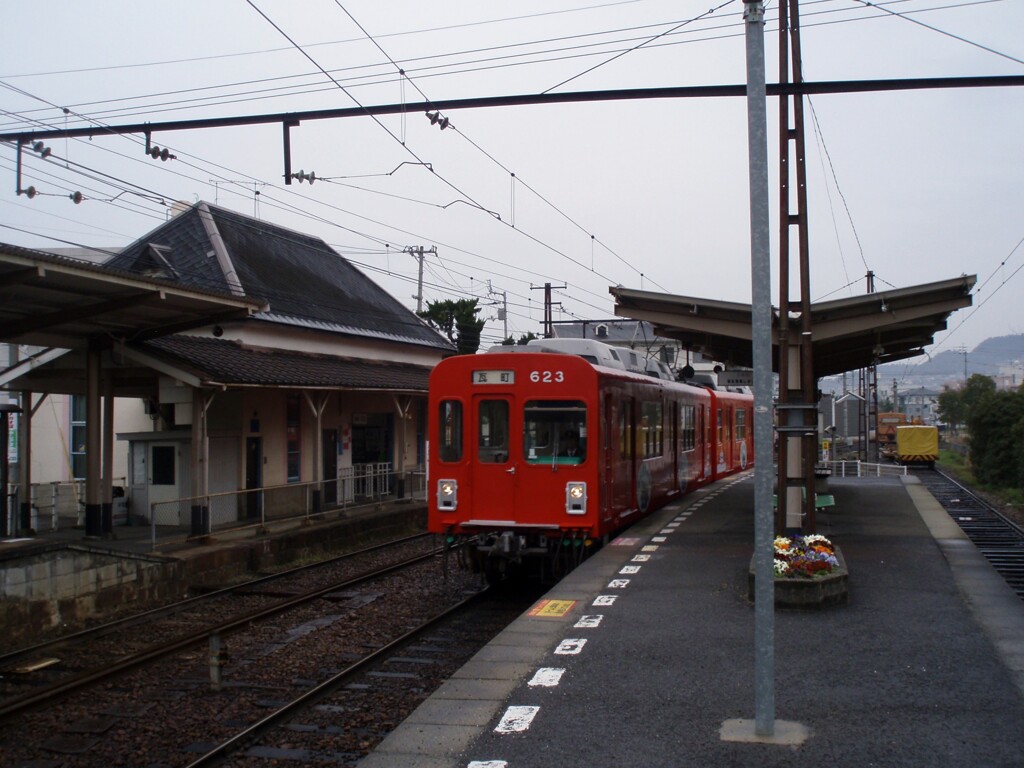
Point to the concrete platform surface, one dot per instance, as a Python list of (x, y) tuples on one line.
[(644, 656)]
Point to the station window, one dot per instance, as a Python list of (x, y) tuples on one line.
[(449, 420), (492, 431), (77, 447), (555, 431), (293, 437)]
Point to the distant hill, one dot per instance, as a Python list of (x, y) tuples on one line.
[(984, 358)]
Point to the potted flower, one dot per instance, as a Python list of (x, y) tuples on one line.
[(809, 572)]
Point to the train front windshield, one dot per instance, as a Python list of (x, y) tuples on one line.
[(555, 431)]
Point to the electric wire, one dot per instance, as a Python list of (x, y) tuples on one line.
[(476, 145), (263, 94), (905, 17)]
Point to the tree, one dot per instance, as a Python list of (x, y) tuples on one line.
[(994, 422), (975, 389), (526, 337), (457, 320), (951, 407)]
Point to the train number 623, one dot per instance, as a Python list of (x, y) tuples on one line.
[(547, 377)]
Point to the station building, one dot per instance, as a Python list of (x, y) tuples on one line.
[(253, 358)]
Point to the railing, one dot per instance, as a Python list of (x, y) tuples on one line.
[(260, 508), (864, 469), (56, 506)]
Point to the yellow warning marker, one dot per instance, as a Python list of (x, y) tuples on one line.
[(552, 609)]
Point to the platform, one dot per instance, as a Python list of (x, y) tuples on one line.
[(644, 656)]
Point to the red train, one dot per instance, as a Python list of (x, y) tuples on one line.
[(535, 457)]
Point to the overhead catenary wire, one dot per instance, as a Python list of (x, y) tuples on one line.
[(381, 222)]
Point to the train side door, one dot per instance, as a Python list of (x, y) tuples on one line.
[(494, 470), (608, 449)]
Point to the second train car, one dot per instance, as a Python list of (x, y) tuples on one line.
[(536, 457)]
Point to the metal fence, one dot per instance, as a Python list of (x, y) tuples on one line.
[(61, 506), (864, 469), (56, 506), (356, 487)]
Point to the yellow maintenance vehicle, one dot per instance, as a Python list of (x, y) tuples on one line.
[(918, 445)]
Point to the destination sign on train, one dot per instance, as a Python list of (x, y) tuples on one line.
[(494, 377)]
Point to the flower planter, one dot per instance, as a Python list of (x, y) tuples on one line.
[(808, 591)]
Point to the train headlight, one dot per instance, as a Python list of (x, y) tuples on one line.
[(576, 498), (447, 494)]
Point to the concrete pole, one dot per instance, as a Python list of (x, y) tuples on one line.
[(25, 462), (107, 493), (760, 270), (93, 443)]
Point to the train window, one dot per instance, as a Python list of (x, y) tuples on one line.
[(492, 431), (741, 425), (625, 433), (450, 430), (718, 434), (651, 429), (688, 427), (555, 431)]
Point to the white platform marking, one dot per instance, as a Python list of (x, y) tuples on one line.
[(605, 599), (628, 569), (589, 622), (571, 646), (618, 583), (516, 719), (659, 539), (641, 558), (649, 548), (548, 677), (487, 764)]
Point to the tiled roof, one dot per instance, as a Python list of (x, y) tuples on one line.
[(230, 363), (303, 279)]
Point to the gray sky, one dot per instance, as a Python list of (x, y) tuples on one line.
[(915, 186)]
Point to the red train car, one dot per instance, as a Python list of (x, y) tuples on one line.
[(537, 456)]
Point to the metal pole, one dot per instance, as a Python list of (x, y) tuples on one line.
[(761, 321)]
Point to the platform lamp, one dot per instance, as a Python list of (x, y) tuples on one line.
[(5, 409)]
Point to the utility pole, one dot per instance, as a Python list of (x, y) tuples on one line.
[(797, 406), (962, 350), (418, 251), (548, 320)]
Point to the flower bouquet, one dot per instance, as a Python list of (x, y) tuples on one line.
[(811, 556)]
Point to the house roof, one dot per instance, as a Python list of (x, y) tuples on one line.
[(305, 282), (218, 362)]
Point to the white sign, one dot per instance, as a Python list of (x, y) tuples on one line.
[(736, 379)]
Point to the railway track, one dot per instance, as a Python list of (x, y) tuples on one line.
[(43, 674), (172, 711), (998, 538), (382, 688)]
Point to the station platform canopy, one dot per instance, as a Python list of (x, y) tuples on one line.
[(847, 334), (48, 300)]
